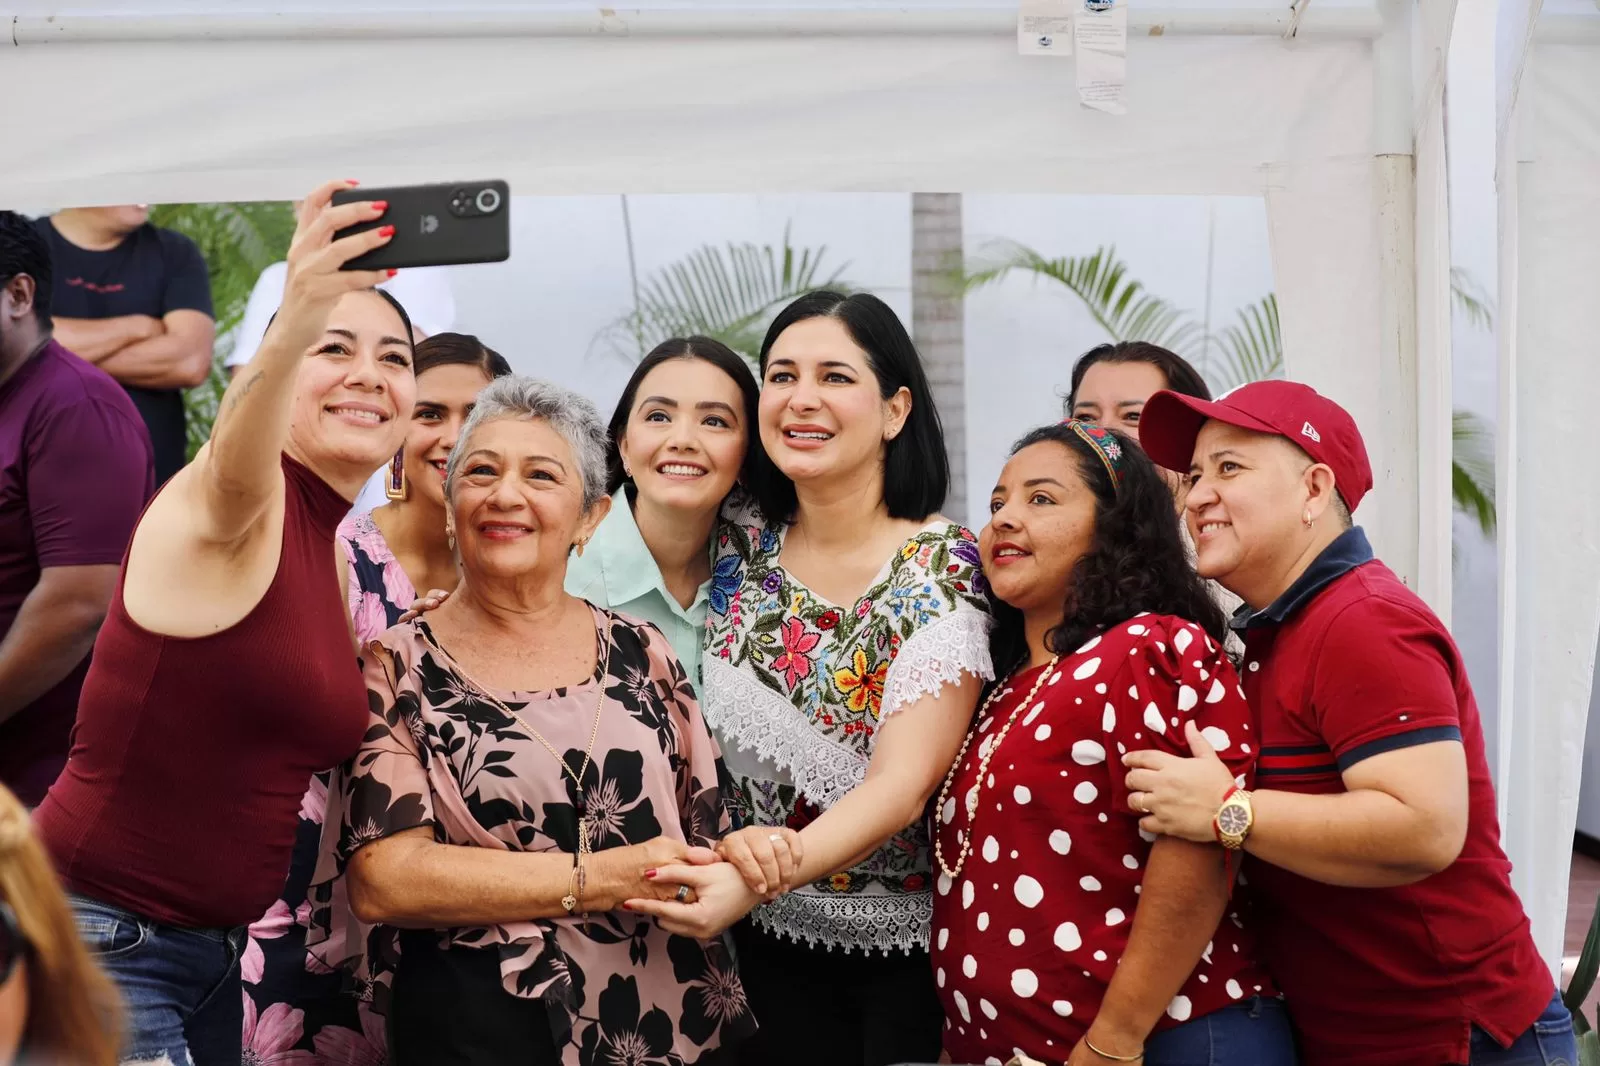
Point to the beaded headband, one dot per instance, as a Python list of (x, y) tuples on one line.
[(1104, 444)]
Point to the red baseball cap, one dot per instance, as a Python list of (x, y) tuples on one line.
[(1316, 425)]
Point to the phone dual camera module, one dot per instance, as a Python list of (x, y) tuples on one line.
[(469, 202)]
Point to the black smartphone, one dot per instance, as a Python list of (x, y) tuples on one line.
[(436, 225)]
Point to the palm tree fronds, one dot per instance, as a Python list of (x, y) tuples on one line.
[(1252, 347), (728, 292), (1100, 281), (1470, 298), (1472, 469)]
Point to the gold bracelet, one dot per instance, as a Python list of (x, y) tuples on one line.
[(1110, 1057), (569, 902)]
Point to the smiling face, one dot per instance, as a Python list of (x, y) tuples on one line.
[(353, 390), (445, 395), (1041, 522), (516, 507), (685, 438), (1248, 492), (1113, 394), (822, 418)]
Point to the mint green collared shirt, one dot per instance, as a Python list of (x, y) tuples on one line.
[(617, 571)]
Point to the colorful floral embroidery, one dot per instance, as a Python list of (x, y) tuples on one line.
[(862, 684)]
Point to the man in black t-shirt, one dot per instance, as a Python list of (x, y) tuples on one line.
[(135, 301)]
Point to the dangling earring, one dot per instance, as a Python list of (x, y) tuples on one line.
[(396, 488), (578, 547), (1306, 518), (450, 537)]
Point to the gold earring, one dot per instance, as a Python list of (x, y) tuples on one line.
[(396, 488), (450, 538), (578, 547), (1306, 518)]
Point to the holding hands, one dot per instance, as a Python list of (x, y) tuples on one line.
[(758, 863)]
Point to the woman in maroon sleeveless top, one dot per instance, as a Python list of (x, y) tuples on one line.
[(225, 673)]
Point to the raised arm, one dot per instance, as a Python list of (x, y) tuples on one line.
[(236, 475)]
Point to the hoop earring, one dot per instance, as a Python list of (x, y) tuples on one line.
[(396, 488)]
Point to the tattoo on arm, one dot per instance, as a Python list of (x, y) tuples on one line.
[(244, 389)]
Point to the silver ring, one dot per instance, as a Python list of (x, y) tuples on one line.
[(683, 893)]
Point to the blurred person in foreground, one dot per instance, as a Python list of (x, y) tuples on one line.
[(56, 1007), (74, 474)]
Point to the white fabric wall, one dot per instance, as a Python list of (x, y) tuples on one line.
[(1550, 530)]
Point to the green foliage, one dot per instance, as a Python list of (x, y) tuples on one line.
[(1577, 991), (729, 293), (1101, 282), (1251, 346), (238, 240)]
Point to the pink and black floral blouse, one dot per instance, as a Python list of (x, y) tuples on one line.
[(438, 755)]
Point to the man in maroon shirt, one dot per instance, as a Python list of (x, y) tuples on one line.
[(1384, 901), (75, 471)]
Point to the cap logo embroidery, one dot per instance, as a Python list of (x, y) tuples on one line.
[(1308, 430)]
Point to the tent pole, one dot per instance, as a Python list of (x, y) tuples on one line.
[(1319, 21)]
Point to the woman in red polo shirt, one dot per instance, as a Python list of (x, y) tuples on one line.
[(1058, 929)]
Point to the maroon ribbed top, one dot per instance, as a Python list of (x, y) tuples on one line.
[(190, 756)]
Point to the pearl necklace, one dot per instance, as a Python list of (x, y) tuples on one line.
[(983, 768)]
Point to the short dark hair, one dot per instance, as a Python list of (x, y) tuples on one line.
[(460, 349), (1181, 375), (1136, 562), (706, 349), (23, 250), (916, 469)]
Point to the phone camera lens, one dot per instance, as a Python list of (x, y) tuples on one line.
[(488, 201)]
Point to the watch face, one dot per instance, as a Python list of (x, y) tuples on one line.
[(1233, 820)]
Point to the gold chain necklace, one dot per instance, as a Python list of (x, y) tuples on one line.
[(585, 819), (983, 768)]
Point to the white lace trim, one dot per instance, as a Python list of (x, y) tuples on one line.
[(861, 922), (937, 655), (747, 714)]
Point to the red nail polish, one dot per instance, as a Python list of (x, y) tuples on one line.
[(386, 231), (626, 906), (379, 206), (649, 874), (392, 273)]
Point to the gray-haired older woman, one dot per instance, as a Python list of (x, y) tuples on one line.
[(529, 761)]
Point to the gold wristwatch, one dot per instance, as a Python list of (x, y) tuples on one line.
[(1235, 818)]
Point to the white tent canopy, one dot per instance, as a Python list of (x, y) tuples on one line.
[(1338, 127)]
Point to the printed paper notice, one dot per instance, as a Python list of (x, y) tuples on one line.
[(1100, 36), (1044, 28)]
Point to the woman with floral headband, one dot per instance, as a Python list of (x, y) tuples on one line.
[(1058, 927)]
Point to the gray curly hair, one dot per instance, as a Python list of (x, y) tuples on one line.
[(574, 417)]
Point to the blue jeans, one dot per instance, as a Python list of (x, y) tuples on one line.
[(180, 987), (1254, 1032), (1547, 1042)]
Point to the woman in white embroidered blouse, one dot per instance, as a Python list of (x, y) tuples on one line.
[(846, 644)]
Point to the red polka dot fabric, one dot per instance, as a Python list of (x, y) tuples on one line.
[(1027, 938)]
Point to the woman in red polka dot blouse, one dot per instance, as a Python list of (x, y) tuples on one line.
[(1059, 929)]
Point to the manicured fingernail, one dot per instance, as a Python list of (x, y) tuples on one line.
[(351, 181), (392, 273), (379, 206), (386, 231), (626, 905), (649, 875)]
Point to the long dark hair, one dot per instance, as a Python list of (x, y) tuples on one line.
[(1181, 375), (711, 351), (916, 470), (1136, 561), (460, 349)]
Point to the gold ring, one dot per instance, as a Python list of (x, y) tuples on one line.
[(683, 893)]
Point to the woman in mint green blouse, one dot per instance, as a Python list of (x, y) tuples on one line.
[(682, 437)]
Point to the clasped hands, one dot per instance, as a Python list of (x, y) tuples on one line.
[(747, 867)]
